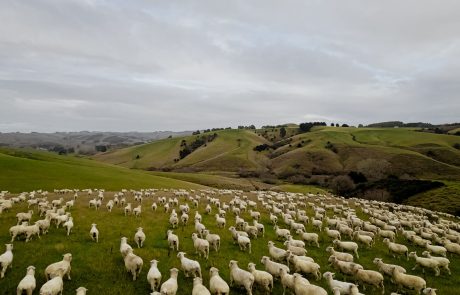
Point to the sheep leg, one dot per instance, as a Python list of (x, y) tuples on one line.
[(415, 267)]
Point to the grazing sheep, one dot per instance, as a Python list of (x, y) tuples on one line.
[(24, 216), (220, 221), (347, 246), (201, 246), (199, 288), (94, 233), (296, 243), (261, 278), (169, 287), (54, 286), (342, 287), (340, 255), (276, 253), (17, 230), (438, 250), (343, 266), (408, 281), (443, 261), (31, 230), (370, 277), (154, 275), (364, 239), (311, 238), (304, 266), (302, 288), (216, 284), (213, 239), (281, 232), (294, 249), (189, 266), (125, 247), (28, 283), (81, 291), (59, 268), (395, 248), (133, 264), (139, 237), (424, 262), (173, 240), (236, 233), (332, 233), (274, 268), (240, 277)]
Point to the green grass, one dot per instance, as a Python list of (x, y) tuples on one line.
[(99, 267), (25, 170), (299, 188)]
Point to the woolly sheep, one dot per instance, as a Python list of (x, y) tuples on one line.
[(137, 211), (424, 262), (429, 291), (309, 237), (6, 260), (261, 278), (281, 232), (59, 268), (213, 239), (154, 275), (438, 250), (52, 287), (387, 269), (124, 247), (294, 249), (199, 228), (332, 233), (128, 209), (287, 280), (189, 265), (443, 261), (31, 230), (173, 240), (28, 283), (216, 284), (347, 246), (199, 288), (81, 291), (272, 267), (343, 266), (201, 246), (276, 253), (240, 277), (370, 277), (236, 233), (169, 287), (301, 288), (139, 237), (395, 248), (297, 243), (340, 255), (408, 281), (343, 287), (306, 267), (24, 216), (68, 225), (364, 239), (94, 233), (133, 264)]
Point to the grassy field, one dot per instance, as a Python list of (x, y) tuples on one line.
[(99, 267), (25, 170)]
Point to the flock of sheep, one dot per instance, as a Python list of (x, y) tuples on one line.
[(290, 266)]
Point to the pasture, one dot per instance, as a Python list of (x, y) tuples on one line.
[(99, 266)]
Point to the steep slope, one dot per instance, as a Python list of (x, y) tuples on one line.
[(25, 170)]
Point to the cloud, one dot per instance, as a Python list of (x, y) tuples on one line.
[(176, 65)]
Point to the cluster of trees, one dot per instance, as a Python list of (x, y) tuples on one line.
[(250, 127), (187, 149), (305, 127)]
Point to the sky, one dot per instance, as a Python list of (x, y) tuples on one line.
[(116, 65)]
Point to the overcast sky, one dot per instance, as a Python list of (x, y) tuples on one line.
[(184, 65)]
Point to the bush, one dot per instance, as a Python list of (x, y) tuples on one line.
[(342, 184)]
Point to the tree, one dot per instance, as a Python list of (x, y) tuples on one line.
[(345, 125), (360, 126), (342, 184), (374, 169), (337, 125), (332, 124), (282, 132)]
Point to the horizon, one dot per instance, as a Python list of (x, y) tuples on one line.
[(117, 66)]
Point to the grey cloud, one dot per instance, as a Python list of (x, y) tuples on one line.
[(144, 65)]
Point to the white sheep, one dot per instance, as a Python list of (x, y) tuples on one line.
[(343, 266), (387, 269), (332, 233), (189, 266), (364, 239), (199, 228), (408, 281), (438, 250), (443, 261), (236, 233), (28, 283), (216, 284), (17, 230), (261, 278), (139, 237), (24, 216), (281, 232), (59, 268), (54, 286), (31, 230), (169, 287), (302, 288), (370, 277), (213, 239), (340, 255), (173, 241), (81, 291), (240, 277), (294, 249), (68, 225), (309, 237), (154, 275), (297, 243), (304, 266), (173, 220), (429, 291), (199, 288), (276, 253), (424, 262), (128, 209), (201, 246), (343, 287), (287, 280), (396, 248), (137, 211), (109, 205), (94, 233), (220, 221), (124, 247), (272, 267), (347, 246), (133, 264), (244, 243)]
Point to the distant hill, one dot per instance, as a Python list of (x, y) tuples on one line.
[(83, 142)]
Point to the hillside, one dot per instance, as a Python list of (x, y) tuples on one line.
[(23, 170)]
